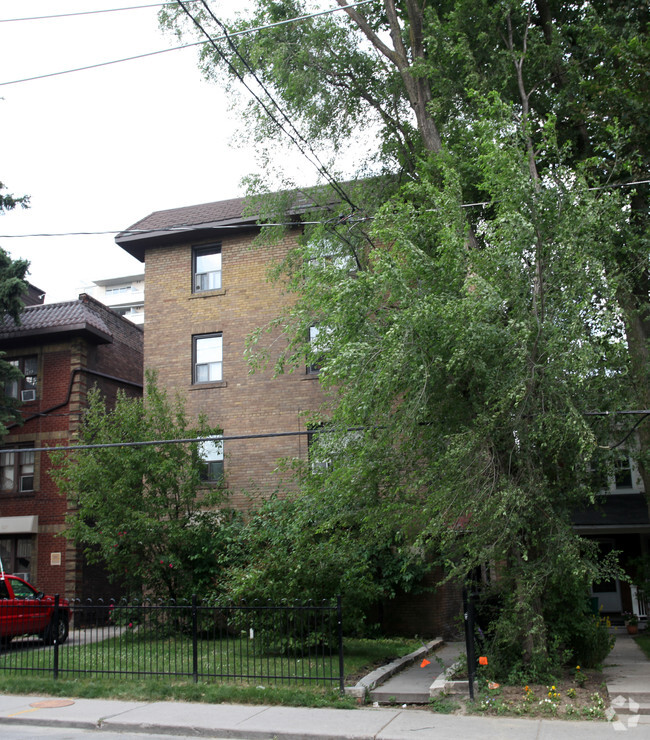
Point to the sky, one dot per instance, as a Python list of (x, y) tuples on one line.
[(99, 149)]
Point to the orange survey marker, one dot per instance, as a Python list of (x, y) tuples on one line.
[(424, 663)]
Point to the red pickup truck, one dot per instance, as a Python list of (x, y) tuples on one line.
[(26, 611)]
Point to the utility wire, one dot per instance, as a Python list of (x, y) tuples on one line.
[(181, 440), (645, 413), (184, 46), (196, 227), (86, 12), (296, 137), (99, 64)]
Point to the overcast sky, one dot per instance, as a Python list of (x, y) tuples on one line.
[(99, 149)]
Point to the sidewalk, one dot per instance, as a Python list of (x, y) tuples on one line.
[(627, 674), (289, 723)]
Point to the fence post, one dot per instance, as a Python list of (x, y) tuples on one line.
[(55, 627), (195, 647), (339, 619), (468, 608)]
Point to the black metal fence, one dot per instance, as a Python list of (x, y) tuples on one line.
[(261, 642)]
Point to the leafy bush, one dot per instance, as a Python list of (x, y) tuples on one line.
[(301, 549)]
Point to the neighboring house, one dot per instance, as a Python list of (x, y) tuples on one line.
[(619, 521), (125, 295), (62, 349), (207, 290)]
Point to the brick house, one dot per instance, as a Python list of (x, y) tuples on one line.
[(206, 290), (63, 349)]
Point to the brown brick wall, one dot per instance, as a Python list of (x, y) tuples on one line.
[(243, 403), (52, 420)]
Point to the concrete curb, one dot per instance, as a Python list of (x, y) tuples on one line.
[(364, 686)]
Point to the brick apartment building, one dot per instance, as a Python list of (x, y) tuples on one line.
[(206, 290), (63, 349)]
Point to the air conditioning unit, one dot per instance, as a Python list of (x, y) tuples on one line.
[(24, 576), (28, 395)]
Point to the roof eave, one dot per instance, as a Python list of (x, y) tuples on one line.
[(84, 329), (136, 243)]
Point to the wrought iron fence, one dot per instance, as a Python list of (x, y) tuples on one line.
[(285, 643)]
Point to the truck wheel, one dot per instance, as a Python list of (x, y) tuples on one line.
[(58, 631)]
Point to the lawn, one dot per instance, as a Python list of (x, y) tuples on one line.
[(302, 680)]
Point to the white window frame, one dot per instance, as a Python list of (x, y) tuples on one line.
[(207, 365), (207, 280), (211, 452)]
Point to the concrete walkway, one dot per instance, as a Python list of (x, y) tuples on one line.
[(413, 684), (627, 674)]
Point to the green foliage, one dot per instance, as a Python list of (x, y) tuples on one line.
[(12, 289), (8, 201), (298, 548), (143, 511), (443, 704), (500, 291)]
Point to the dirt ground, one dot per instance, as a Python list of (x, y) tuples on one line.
[(578, 695)]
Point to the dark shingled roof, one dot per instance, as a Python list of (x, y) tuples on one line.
[(219, 211), (204, 221), (56, 318)]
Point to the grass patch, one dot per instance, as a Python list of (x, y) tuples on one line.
[(164, 690), (443, 704), (643, 641), (358, 654)]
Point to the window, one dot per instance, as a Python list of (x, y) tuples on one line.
[(208, 359), (333, 253), (206, 268), (17, 471), (318, 340), (118, 290), (16, 553), (623, 473), (615, 472), (211, 453), (324, 447), (23, 389)]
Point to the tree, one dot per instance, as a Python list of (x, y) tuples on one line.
[(145, 511), (501, 289), (12, 288), (8, 201)]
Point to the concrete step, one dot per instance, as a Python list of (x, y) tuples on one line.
[(630, 705), (399, 697)]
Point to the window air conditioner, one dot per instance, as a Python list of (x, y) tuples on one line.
[(28, 395)]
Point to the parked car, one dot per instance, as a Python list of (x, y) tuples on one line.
[(26, 611)]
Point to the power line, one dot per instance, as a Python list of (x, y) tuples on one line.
[(296, 137), (262, 435), (181, 440), (183, 46), (100, 64), (197, 227), (85, 12)]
